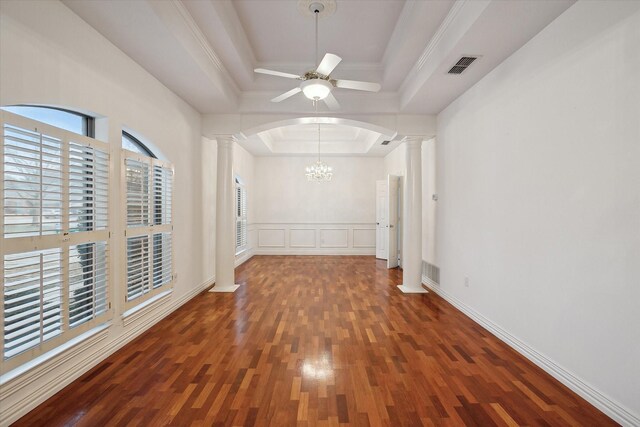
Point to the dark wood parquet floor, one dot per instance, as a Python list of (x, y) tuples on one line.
[(316, 341)]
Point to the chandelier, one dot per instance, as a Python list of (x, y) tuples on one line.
[(319, 171)]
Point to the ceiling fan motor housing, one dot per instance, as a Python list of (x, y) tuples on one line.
[(316, 89)]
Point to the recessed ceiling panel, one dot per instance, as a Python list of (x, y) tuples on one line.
[(359, 31), (302, 139)]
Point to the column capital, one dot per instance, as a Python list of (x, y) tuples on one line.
[(225, 140), (413, 140)]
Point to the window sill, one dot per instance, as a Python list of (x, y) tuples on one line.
[(140, 310)]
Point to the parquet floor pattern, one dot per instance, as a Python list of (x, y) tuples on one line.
[(316, 341)]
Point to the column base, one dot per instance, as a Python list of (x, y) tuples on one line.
[(412, 290), (217, 288)]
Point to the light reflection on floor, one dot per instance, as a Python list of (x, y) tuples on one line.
[(319, 369)]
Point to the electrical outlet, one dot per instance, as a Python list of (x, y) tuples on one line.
[(466, 281)]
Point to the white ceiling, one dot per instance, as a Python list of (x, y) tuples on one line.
[(279, 33), (205, 51)]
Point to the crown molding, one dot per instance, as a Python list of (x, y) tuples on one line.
[(202, 41)]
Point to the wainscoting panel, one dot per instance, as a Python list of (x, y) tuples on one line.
[(302, 238), (314, 238), (334, 237), (364, 238), (271, 238)]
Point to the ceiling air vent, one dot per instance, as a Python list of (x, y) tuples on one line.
[(462, 64), (385, 142)]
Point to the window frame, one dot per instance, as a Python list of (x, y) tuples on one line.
[(62, 240), (88, 122), (144, 150)]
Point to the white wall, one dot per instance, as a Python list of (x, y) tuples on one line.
[(539, 182), (293, 215), (51, 57)]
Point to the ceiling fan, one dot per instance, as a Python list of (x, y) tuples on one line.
[(317, 84)]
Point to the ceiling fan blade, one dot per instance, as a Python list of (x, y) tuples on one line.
[(286, 95), (328, 64), (331, 102), (353, 84), (276, 73)]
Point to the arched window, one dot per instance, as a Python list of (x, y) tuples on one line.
[(148, 200), (131, 143), (55, 242), (58, 117)]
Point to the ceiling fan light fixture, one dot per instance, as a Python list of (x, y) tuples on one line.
[(316, 89)]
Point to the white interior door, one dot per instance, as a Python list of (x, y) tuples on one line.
[(381, 220), (392, 216)]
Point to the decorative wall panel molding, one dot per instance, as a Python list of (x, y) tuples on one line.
[(364, 238), (271, 238), (302, 238), (334, 237), (312, 238)]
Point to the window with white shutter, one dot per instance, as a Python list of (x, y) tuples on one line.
[(148, 196), (241, 216), (55, 256)]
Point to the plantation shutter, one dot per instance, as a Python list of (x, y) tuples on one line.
[(55, 262), (138, 282), (32, 179), (149, 234), (88, 188), (32, 299), (138, 192), (241, 216), (162, 187), (88, 273)]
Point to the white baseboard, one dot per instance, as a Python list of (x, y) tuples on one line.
[(60, 370), (611, 408), (244, 257)]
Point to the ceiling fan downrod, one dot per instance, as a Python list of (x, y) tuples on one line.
[(316, 8)]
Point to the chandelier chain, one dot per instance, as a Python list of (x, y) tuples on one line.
[(319, 171)]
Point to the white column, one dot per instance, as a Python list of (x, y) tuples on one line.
[(412, 220), (225, 218)]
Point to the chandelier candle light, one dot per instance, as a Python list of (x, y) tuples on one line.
[(319, 171)]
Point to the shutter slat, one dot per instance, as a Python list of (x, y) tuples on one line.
[(137, 266), (87, 277)]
